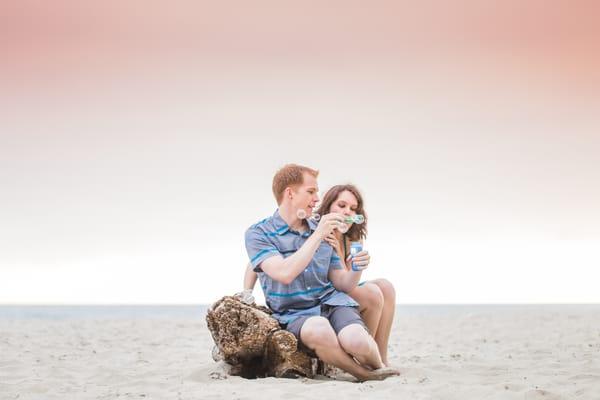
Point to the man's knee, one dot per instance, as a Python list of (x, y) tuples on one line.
[(317, 331), (355, 340), (387, 289)]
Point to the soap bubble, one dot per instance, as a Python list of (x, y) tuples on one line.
[(359, 219), (356, 219), (316, 217), (301, 214)]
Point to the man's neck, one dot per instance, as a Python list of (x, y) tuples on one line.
[(290, 218)]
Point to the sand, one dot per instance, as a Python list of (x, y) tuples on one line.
[(520, 353)]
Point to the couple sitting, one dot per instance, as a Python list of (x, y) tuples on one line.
[(303, 267)]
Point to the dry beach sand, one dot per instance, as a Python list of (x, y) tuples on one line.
[(462, 352)]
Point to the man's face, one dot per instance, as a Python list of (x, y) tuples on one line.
[(305, 196)]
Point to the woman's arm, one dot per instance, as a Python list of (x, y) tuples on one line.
[(337, 247), (250, 278), (346, 279)]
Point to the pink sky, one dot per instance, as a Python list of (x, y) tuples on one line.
[(54, 44)]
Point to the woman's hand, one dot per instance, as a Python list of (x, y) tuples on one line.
[(333, 242), (360, 259)]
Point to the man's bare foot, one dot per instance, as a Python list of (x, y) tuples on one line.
[(381, 374)]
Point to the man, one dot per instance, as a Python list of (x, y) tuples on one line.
[(303, 281)]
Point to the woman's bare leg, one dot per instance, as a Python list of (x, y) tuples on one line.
[(384, 328), (370, 300)]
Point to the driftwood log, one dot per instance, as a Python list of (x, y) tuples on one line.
[(253, 345)]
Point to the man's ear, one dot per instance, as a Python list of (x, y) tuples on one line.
[(289, 192)]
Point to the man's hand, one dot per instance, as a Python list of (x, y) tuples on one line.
[(245, 296), (328, 223)]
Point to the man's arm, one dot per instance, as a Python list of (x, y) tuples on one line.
[(249, 281), (265, 257), (285, 270), (250, 277)]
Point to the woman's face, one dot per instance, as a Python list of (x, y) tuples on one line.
[(346, 203)]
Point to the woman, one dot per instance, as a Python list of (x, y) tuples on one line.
[(377, 298)]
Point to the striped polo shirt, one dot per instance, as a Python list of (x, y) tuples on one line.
[(305, 294)]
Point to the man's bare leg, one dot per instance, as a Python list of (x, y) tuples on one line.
[(356, 341), (318, 335)]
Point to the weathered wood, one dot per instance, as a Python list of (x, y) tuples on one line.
[(252, 342)]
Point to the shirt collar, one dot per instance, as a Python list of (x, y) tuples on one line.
[(279, 224), (282, 227)]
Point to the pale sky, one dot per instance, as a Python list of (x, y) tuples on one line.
[(137, 146)]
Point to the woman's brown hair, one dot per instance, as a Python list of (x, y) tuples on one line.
[(357, 231)]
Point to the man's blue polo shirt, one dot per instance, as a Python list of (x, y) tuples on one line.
[(305, 294)]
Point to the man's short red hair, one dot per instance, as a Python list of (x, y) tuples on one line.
[(290, 175)]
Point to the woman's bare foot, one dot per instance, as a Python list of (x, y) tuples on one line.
[(381, 374)]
